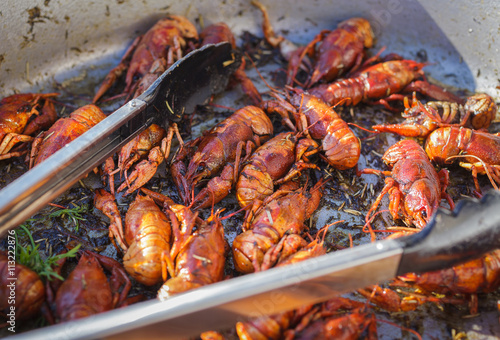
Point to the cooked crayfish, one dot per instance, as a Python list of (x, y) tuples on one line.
[(87, 291), (479, 151), (276, 161), (379, 83), (167, 40), (270, 327), (218, 152), (414, 186), (313, 116), (337, 318), (338, 51), (21, 116), (146, 239), (283, 212), (22, 292), (64, 131), (478, 112), (220, 32), (342, 50), (199, 258), (152, 143), (477, 276), (138, 148)]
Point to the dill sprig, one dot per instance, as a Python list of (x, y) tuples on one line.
[(30, 257), (73, 213)]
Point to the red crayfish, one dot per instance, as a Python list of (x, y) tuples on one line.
[(421, 119), (218, 153), (276, 161), (313, 116), (337, 318), (64, 131), (21, 116), (284, 212), (146, 239), (480, 275), (87, 290), (200, 258), (479, 151), (414, 186), (379, 83), (341, 50), (159, 47), (334, 52)]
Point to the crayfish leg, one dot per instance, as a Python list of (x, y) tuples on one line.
[(444, 180), (296, 171), (116, 72), (143, 171), (109, 170), (389, 184), (12, 139), (247, 85), (167, 266), (105, 202), (118, 278), (13, 154), (35, 147), (271, 37), (216, 189)]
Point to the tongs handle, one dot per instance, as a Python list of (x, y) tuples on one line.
[(451, 237), (33, 190)]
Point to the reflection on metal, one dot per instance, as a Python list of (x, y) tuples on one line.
[(223, 304)]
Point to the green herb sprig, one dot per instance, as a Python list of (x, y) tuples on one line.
[(73, 213), (30, 256)]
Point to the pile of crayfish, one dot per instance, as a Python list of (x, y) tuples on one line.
[(257, 189)]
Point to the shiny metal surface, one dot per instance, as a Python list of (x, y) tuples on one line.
[(222, 304)]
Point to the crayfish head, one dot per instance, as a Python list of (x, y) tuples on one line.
[(361, 28), (198, 168), (421, 202), (187, 29)]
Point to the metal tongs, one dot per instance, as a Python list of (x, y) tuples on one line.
[(470, 231), (190, 81)]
